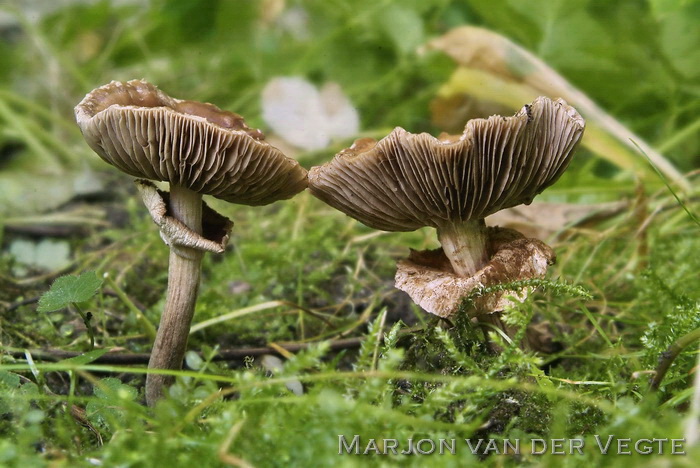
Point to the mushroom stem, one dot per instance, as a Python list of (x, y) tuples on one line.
[(464, 244), (183, 283)]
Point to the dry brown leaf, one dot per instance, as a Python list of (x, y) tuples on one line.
[(542, 220)]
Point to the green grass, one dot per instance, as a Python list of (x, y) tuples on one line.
[(298, 271)]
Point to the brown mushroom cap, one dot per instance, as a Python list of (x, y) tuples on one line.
[(137, 128), (406, 181)]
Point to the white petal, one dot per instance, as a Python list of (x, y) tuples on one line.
[(343, 120), (292, 108)]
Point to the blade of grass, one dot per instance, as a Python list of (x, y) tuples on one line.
[(236, 314), (146, 326), (596, 325), (668, 185), (19, 125), (680, 136)]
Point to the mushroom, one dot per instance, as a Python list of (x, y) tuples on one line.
[(407, 181), (200, 150)]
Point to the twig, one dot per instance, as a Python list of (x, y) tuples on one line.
[(222, 355), (23, 302), (668, 356)]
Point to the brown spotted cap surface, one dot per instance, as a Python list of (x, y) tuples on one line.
[(142, 131), (406, 181)]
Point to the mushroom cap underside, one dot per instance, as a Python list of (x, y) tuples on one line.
[(406, 181), (142, 131)]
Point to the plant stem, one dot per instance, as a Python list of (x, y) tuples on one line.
[(670, 355), (146, 326), (464, 243), (183, 283), (86, 320)]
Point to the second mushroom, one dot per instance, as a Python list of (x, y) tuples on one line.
[(200, 150), (407, 181)]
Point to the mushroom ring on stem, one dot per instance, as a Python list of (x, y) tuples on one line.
[(200, 150), (407, 181)]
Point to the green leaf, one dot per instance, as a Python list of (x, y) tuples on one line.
[(69, 289), (404, 27), (111, 388), (679, 39), (9, 382), (9, 379), (85, 358), (108, 406), (543, 380), (29, 390), (662, 7)]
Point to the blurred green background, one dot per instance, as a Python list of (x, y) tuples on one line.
[(639, 60)]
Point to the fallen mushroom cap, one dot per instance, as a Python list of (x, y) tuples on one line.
[(144, 132), (406, 181), (427, 276)]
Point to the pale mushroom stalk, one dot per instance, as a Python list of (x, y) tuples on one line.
[(406, 181), (464, 244), (184, 266)]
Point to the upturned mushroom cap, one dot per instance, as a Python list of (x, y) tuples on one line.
[(406, 181), (142, 131)]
